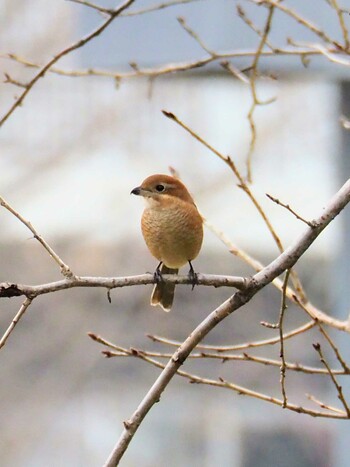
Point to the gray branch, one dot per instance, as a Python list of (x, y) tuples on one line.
[(8, 289), (284, 261)]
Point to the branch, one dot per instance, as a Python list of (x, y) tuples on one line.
[(15, 320), (255, 100), (159, 6), (294, 296), (81, 42), (345, 32), (246, 345), (335, 350), (339, 389), (180, 66), (195, 379), (286, 206), (8, 289), (119, 351), (283, 262), (280, 329), (300, 19), (65, 269)]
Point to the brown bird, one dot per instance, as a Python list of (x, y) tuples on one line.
[(173, 231)]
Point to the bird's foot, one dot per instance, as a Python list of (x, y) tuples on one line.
[(193, 276), (157, 274)]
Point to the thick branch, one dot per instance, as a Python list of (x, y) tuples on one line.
[(285, 261)]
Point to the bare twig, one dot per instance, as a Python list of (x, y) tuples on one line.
[(177, 67), (243, 15), (339, 389), (65, 269), (335, 349), (93, 6), (280, 329), (323, 51), (300, 19), (195, 36), (234, 71), (340, 13), (246, 345), (255, 100), (277, 201), (319, 315), (15, 320), (156, 7), (10, 80), (119, 351), (323, 405), (80, 43), (195, 379)]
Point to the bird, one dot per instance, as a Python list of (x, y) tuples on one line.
[(172, 229)]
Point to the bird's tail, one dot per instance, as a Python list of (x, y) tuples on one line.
[(163, 293)]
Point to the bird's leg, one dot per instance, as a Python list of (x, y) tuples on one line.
[(192, 275), (157, 273)]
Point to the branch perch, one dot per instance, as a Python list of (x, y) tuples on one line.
[(284, 261)]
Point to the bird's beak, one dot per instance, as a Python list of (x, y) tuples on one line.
[(136, 191)]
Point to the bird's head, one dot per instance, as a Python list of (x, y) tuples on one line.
[(160, 186)]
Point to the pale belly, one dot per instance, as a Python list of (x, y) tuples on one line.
[(173, 236)]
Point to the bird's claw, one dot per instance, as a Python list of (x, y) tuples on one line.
[(193, 276), (157, 274)]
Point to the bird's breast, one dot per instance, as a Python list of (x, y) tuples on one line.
[(173, 232)]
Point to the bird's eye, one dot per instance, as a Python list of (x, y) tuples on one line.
[(160, 188)]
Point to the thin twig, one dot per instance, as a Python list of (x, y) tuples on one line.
[(80, 43), (323, 405), (286, 206), (339, 389), (340, 13), (334, 348), (244, 17), (195, 36), (10, 80), (171, 68), (300, 19), (119, 351), (319, 315), (157, 7), (93, 6), (255, 100), (195, 379), (246, 345), (65, 269), (15, 320), (234, 71), (280, 329), (331, 56)]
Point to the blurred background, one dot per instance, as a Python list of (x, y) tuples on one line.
[(69, 159)]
